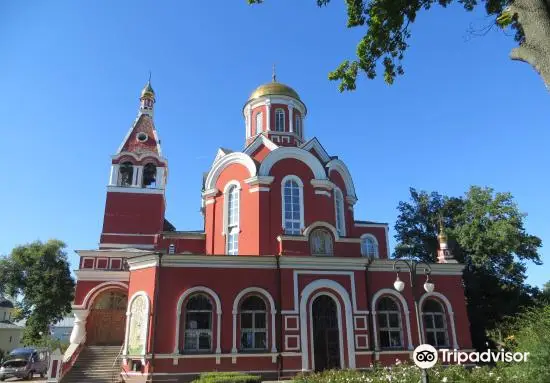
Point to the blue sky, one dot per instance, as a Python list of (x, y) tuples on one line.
[(463, 114)]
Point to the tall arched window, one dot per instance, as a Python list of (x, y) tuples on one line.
[(149, 176), (339, 210), (259, 123), (435, 325), (253, 324), (298, 125), (389, 324), (293, 202), (279, 120), (369, 246), (198, 324), (320, 242), (232, 229), (126, 174)]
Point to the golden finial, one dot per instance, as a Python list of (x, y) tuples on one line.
[(274, 75), (442, 236)]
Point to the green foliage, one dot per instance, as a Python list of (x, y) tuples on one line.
[(227, 377), (486, 233), (387, 25), (39, 274)]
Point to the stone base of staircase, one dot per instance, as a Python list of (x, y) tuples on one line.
[(96, 364)]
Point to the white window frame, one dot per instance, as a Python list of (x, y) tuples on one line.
[(435, 330), (298, 181), (234, 229), (339, 212), (329, 236), (259, 128), (253, 330), (197, 332), (364, 239), (387, 328), (280, 112)]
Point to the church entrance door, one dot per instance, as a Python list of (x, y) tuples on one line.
[(326, 334), (106, 322)]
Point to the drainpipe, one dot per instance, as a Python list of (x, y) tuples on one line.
[(370, 326), (156, 295), (280, 317)]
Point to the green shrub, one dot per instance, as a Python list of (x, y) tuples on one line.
[(227, 377)]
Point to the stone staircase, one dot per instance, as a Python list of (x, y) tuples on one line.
[(95, 365)]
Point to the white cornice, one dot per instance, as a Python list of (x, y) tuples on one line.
[(141, 156), (183, 235), (102, 275), (125, 253), (137, 190), (259, 180), (143, 262), (322, 184), (210, 193), (437, 268), (359, 224)]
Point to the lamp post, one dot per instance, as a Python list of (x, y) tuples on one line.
[(412, 265)]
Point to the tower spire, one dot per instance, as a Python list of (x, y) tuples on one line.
[(147, 98), (274, 75)]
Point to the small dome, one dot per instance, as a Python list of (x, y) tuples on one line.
[(274, 89), (148, 90), (5, 303)]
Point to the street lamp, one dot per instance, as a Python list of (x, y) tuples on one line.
[(412, 265)]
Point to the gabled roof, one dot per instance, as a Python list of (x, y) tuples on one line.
[(143, 124), (258, 141), (316, 146)]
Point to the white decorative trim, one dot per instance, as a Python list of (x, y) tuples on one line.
[(322, 184), (88, 268), (315, 144), (182, 298), (360, 224), (295, 317), (323, 192), (102, 275), (143, 262), (210, 193), (226, 204), (97, 290), (209, 201), (126, 246), (364, 318), (384, 265), (273, 311), (277, 99), (292, 177), (370, 236), (341, 217), (406, 313), (297, 348), (339, 289), (339, 166), (364, 336), (258, 189), (304, 156), (129, 319), (449, 310), (133, 189), (259, 180), (141, 156), (318, 224), (232, 158), (130, 234)]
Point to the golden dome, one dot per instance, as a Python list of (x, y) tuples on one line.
[(442, 237), (273, 89), (147, 90)]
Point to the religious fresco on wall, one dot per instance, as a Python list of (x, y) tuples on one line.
[(138, 323)]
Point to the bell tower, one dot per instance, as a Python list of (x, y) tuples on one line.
[(135, 205)]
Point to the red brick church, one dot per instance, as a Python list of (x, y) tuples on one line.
[(281, 279)]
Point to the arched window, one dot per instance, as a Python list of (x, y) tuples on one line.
[(369, 246), (279, 120), (298, 125), (198, 324), (435, 325), (126, 172), (253, 324), (293, 214), (232, 229), (149, 176), (389, 324), (339, 210), (320, 242), (259, 123)]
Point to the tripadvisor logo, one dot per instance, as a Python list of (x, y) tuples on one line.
[(426, 356)]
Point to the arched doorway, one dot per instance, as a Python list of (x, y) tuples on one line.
[(106, 322), (326, 333)]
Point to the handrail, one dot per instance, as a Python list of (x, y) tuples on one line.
[(113, 375)]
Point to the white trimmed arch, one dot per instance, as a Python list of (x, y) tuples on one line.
[(292, 177), (221, 163), (186, 294), (448, 309), (302, 155), (129, 318), (93, 293), (307, 292), (380, 293), (263, 293), (339, 166), (318, 224)]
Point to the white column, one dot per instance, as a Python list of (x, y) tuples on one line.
[(234, 349), (78, 335), (268, 114), (273, 346), (303, 118), (115, 168), (249, 121), (160, 178), (290, 118), (138, 175), (134, 175)]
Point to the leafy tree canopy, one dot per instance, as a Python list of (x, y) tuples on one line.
[(387, 29), (486, 232), (38, 276)]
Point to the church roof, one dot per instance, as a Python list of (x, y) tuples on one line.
[(274, 89)]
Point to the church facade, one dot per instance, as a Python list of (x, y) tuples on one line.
[(281, 279)]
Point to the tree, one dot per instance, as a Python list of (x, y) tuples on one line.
[(37, 275), (486, 233), (387, 30)]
